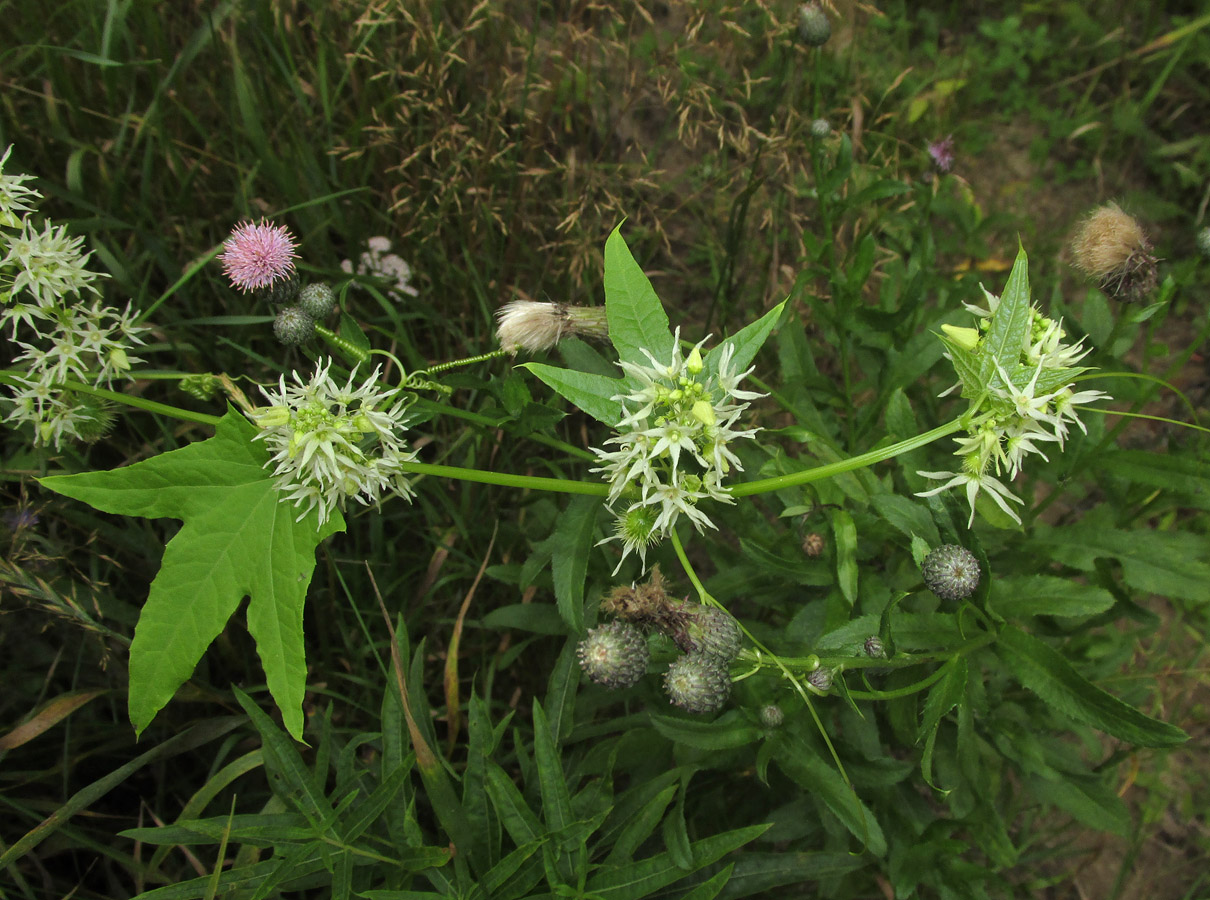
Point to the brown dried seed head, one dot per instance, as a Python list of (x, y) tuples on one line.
[(1106, 241)]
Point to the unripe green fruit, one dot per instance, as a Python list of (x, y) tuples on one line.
[(614, 655), (698, 683), (951, 572)]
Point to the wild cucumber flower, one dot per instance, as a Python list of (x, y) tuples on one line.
[(532, 326), (14, 194), (1017, 411), (258, 254), (330, 443), (678, 420), (49, 264)]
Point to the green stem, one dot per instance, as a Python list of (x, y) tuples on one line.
[(531, 482), (488, 422), (188, 415), (781, 482)]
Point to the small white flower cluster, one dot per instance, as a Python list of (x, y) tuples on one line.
[(1016, 417), (379, 262), (678, 420), (43, 275), (330, 443)]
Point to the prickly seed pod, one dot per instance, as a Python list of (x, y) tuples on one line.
[(316, 300), (280, 292), (771, 716), (96, 418), (951, 572), (698, 683), (820, 679), (203, 386), (1111, 247), (813, 544), (814, 28), (820, 128), (712, 631), (1203, 241), (873, 647), (614, 655), (293, 326)]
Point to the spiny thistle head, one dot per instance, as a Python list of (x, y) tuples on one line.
[(814, 27), (951, 572), (698, 683), (1203, 241), (820, 128), (771, 716), (712, 631), (614, 655), (316, 300), (533, 327), (258, 254), (942, 153), (820, 679), (1110, 246), (293, 326)]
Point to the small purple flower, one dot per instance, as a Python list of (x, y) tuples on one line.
[(942, 152), (258, 254)]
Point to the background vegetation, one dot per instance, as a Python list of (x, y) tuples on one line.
[(496, 144)]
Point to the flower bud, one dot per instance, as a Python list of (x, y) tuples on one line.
[(703, 411), (820, 679), (316, 300), (293, 326), (873, 647), (614, 655), (694, 363), (813, 545), (814, 28), (771, 716), (698, 683), (951, 572), (820, 129), (280, 292), (1203, 241), (711, 631), (966, 338)]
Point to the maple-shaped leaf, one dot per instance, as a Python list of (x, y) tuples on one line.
[(238, 540)]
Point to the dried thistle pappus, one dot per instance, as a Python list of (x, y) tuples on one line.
[(1111, 247), (532, 326)]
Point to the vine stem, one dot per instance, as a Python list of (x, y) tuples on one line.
[(532, 482), (818, 473), (163, 409)]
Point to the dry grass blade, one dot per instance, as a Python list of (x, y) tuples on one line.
[(453, 704)]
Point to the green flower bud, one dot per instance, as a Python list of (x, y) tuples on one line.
[(293, 326), (814, 28), (703, 411), (951, 572), (874, 648), (820, 679), (316, 300), (698, 683), (966, 338), (614, 655), (820, 129), (771, 716), (694, 363), (714, 632)]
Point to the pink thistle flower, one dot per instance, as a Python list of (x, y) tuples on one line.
[(258, 254), (942, 152)]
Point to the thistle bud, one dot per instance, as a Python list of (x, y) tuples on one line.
[(1203, 241), (280, 292), (1110, 246), (820, 129), (813, 545), (873, 647), (814, 28), (698, 683), (293, 326), (316, 300), (712, 631), (614, 655), (771, 716), (820, 679), (951, 572), (531, 326)]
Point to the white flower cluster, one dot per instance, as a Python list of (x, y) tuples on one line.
[(330, 443), (379, 262), (678, 420), (43, 277), (1018, 414)]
